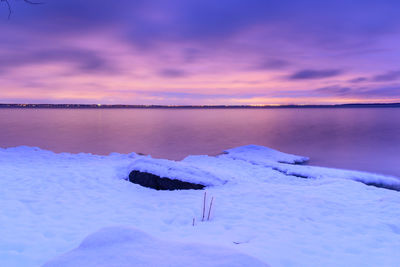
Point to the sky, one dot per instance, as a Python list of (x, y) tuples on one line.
[(190, 52)]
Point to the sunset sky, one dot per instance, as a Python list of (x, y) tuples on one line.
[(200, 52)]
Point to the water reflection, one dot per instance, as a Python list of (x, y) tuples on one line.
[(364, 139)]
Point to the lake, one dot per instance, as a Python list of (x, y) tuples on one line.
[(366, 139)]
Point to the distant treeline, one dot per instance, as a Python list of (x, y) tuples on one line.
[(92, 106)]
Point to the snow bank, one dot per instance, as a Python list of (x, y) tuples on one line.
[(312, 172), (216, 172), (127, 247), (263, 155), (284, 163), (50, 202)]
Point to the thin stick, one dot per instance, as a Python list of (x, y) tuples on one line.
[(26, 1), (33, 3), (204, 206), (9, 8), (193, 221), (209, 210)]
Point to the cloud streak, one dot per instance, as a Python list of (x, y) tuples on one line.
[(81, 59), (314, 74), (172, 73), (387, 77)]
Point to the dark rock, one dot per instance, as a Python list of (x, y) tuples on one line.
[(160, 183)]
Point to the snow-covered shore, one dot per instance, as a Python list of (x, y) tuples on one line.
[(265, 206)]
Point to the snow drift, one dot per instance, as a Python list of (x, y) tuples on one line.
[(263, 155), (276, 160), (188, 170), (127, 247)]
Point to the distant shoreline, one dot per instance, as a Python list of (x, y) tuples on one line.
[(106, 106)]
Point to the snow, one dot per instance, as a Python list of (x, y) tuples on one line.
[(262, 208), (175, 170), (124, 246), (263, 155), (276, 160)]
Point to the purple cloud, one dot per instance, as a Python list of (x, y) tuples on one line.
[(83, 60), (182, 95), (358, 80), (344, 92), (272, 64), (172, 73), (314, 74), (387, 77)]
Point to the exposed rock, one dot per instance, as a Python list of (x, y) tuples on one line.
[(160, 183)]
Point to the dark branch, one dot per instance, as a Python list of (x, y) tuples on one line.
[(33, 3), (26, 1), (9, 8)]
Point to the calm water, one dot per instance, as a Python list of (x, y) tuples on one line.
[(365, 139)]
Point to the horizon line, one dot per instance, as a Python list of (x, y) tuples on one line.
[(100, 106)]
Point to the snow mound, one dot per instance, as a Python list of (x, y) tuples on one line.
[(260, 154), (314, 172), (176, 170), (286, 164), (124, 246)]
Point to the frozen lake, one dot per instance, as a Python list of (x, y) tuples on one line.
[(366, 139)]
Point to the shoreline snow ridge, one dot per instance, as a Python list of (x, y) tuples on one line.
[(50, 202)]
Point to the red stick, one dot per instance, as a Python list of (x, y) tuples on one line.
[(204, 206), (209, 210)]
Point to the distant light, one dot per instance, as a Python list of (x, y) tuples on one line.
[(99, 105)]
